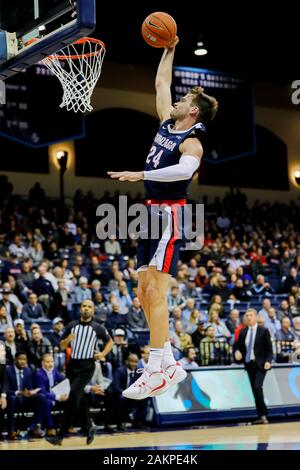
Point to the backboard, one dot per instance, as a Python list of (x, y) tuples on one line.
[(34, 29)]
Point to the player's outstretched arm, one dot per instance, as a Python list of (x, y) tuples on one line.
[(127, 175), (163, 82)]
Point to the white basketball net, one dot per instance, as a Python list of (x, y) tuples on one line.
[(78, 68)]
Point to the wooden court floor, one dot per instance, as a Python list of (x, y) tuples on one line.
[(277, 436)]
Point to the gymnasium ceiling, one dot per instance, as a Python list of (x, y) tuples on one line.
[(240, 37), (261, 44)]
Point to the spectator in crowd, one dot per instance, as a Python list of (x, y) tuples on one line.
[(115, 318), (56, 337), (21, 335), (240, 291), (112, 300), (260, 321), (254, 348), (192, 268), (37, 347), (12, 347), (285, 333), (32, 310), (207, 346), (191, 291), (119, 352), (21, 396), (113, 284), (201, 279), (82, 267), (232, 301), (199, 334), (221, 330), (216, 302), (188, 361), (71, 225), (130, 268), (294, 309), (292, 280), (187, 310), (66, 239), (136, 317), (266, 305), (285, 263), (145, 351), (36, 253), (25, 279), (4, 323), (176, 315), (11, 310), (223, 222), (44, 270), (95, 288), (15, 294), (124, 377), (18, 248), (261, 287), (43, 287), (296, 328), (175, 299), (101, 308), (233, 321), (82, 292), (272, 323), (45, 379), (180, 339), (123, 297), (112, 246), (195, 317), (181, 280), (284, 310)]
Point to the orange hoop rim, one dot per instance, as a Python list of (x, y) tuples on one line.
[(80, 56)]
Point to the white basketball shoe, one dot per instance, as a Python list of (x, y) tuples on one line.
[(148, 385), (173, 374)]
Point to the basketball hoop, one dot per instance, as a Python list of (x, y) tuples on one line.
[(78, 68)]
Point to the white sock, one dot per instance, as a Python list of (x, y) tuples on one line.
[(155, 358), (168, 357)]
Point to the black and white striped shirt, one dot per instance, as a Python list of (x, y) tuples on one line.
[(86, 336)]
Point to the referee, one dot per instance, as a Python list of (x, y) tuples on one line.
[(83, 335)]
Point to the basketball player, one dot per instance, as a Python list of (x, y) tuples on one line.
[(173, 159)]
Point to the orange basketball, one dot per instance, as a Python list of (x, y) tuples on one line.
[(159, 29)]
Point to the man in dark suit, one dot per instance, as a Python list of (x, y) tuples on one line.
[(22, 395), (32, 310), (254, 348), (124, 377), (45, 379)]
